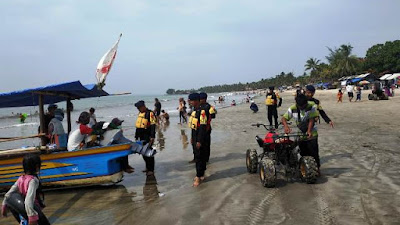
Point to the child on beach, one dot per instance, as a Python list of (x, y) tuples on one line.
[(358, 92), (29, 186), (339, 96)]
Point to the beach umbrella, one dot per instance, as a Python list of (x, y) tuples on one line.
[(364, 82)]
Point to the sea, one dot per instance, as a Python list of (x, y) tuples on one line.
[(107, 108)]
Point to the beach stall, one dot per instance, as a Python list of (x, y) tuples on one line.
[(97, 165)]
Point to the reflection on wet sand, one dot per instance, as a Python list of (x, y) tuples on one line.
[(150, 190), (108, 203), (184, 139), (160, 139)]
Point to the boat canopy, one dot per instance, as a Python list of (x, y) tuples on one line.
[(51, 94)]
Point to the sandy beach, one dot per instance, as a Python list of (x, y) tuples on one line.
[(360, 181)]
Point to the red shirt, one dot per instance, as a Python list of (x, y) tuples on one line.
[(85, 129)]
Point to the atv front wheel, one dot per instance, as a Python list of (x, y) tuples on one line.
[(267, 172), (251, 160), (308, 169)]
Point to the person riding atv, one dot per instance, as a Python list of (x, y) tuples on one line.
[(377, 92), (305, 113)]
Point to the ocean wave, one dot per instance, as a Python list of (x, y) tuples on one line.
[(19, 125)]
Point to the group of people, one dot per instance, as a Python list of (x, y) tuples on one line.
[(306, 112), (200, 124), (350, 88)]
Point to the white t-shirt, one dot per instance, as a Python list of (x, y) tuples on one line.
[(74, 140), (349, 88)]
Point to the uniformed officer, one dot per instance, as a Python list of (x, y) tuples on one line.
[(211, 110), (198, 124), (146, 132), (272, 104)]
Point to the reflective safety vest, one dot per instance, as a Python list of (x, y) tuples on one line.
[(212, 112), (272, 99), (196, 119), (145, 120)]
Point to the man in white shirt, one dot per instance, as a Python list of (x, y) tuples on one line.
[(349, 89)]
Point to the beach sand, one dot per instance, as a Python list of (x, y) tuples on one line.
[(360, 183)]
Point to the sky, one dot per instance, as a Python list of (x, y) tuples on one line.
[(181, 44)]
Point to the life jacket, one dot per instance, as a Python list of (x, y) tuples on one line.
[(145, 120), (193, 121), (271, 99), (197, 118)]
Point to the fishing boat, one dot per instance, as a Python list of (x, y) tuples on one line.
[(61, 168)]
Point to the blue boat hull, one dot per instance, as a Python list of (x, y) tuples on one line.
[(90, 166)]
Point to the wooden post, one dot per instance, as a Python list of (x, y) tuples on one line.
[(69, 114), (41, 116)]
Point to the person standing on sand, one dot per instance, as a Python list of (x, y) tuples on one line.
[(305, 112), (349, 89), (210, 109), (157, 108), (198, 124), (146, 132), (310, 91), (182, 111), (358, 92), (271, 101)]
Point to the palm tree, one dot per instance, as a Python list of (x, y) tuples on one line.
[(312, 64), (342, 62)]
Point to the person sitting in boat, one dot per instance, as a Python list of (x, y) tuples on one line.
[(47, 118), (77, 137), (113, 135), (57, 133)]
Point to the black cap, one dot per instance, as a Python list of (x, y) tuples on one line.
[(310, 88), (52, 106), (139, 104), (194, 96), (271, 88), (203, 95), (116, 121)]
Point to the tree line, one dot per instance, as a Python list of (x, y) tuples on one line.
[(379, 59)]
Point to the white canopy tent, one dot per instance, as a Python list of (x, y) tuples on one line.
[(385, 76), (393, 76)]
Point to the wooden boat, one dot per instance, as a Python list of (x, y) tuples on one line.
[(60, 168)]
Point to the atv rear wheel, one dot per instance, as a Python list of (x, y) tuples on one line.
[(308, 169), (251, 160), (267, 172)]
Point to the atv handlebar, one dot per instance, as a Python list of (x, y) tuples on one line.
[(268, 127)]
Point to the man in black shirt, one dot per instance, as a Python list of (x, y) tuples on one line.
[(310, 91)]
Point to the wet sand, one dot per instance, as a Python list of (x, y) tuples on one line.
[(360, 184)]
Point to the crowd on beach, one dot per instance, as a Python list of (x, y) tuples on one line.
[(91, 132), (197, 114)]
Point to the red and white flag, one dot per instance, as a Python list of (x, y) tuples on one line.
[(104, 66)]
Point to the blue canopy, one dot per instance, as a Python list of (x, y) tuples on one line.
[(51, 94), (356, 80)]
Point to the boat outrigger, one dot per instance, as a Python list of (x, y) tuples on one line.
[(60, 168)]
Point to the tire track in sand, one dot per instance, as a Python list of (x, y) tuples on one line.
[(324, 214), (258, 213)]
